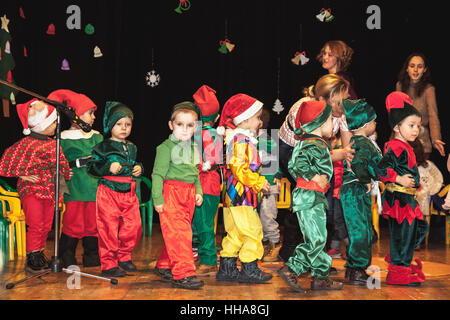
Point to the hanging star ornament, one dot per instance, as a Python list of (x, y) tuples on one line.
[(5, 22)]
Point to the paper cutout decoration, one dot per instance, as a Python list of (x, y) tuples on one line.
[(7, 47), (97, 52), (183, 6), (25, 52), (152, 79), (89, 29), (51, 29), (22, 15), (226, 46), (300, 58), (325, 15), (9, 77), (12, 98), (5, 22), (278, 106), (0, 54), (65, 65)]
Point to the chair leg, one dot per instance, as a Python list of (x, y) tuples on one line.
[(428, 218), (143, 219), (11, 242), (18, 237), (447, 230), (150, 220)]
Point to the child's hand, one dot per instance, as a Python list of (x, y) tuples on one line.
[(159, 208), (349, 152), (407, 180), (369, 188), (278, 183), (198, 200), (70, 173), (115, 167), (321, 180), (137, 171), (446, 204), (34, 179), (266, 187)]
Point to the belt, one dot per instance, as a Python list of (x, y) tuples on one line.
[(310, 185), (79, 163), (391, 187)]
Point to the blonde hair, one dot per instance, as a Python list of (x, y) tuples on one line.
[(341, 51), (327, 87), (178, 111)]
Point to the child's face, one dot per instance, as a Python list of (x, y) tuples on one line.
[(122, 129), (254, 123), (335, 102), (408, 130), (88, 116), (183, 125), (50, 130), (370, 128)]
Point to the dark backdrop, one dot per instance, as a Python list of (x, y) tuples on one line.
[(185, 48)]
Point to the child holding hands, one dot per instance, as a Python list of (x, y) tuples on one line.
[(118, 216)]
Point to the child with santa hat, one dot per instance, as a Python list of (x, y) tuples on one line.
[(33, 160)]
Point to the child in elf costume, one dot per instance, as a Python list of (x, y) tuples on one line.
[(312, 167), (176, 190), (79, 221), (398, 171), (33, 161), (355, 193), (204, 216), (118, 216), (241, 115)]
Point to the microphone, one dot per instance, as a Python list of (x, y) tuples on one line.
[(70, 114)]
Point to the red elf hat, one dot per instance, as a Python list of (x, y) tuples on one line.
[(311, 115), (79, 102), (205, 99)]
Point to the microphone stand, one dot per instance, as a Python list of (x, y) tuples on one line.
[(55, 262)]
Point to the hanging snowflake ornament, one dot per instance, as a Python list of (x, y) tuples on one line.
[(152, 79)]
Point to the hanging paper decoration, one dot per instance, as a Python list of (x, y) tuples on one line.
[(51, 29), (226, 46), (325, 15), (7, 47), (25, 52), (12, 98), (278, 106), (89, 29), (65, 65), (183, 6), (152, 78), (97, 52), (300, 58), (9, 77), (5, 22), (22, 15)]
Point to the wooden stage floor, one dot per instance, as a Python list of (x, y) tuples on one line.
[(145, 285)]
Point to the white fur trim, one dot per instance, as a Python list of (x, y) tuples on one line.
[(44, 124), (77, 134), (230, 133), (221, 131), (206, 166), (250, 112), (26, 131)]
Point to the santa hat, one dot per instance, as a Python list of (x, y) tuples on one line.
[(237, 109), (114, 111), (79, 102), (205, 99), (311, 115), (358, 113), (41, 123), (399, 106)]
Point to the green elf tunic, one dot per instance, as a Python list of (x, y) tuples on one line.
[(311, 156), (357, 203)]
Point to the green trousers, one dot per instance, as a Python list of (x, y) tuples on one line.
[(356, 206), (404, 239), (310, 255), (204, 237)]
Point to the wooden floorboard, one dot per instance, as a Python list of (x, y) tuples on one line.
[(145, 285)]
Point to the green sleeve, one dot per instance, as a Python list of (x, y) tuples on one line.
[(308, 161), (98, 165), (160, 169)]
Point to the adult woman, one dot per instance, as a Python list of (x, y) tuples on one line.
[(414, 79)]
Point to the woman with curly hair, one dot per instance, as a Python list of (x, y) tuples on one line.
[(414, 79), (335, 57)]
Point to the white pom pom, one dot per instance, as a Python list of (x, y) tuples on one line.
[(206, 166), (221, 130), (26, 131)]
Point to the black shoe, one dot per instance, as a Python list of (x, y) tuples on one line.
[(291, 278), (191, 283), (228, 270), (127, 265), (357, 277), (67, 249), (165, 274), (90, 255), (114, 272), (251, 273), (35, 262)]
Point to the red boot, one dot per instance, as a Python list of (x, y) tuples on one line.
[(399, 275), (417, 269)]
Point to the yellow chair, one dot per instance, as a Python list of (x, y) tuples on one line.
[(284, 197), (14, 214), (437, 212)]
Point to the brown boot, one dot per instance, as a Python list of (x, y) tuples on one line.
[(291, 278), (325, 284), (205, 270), (272, 255)]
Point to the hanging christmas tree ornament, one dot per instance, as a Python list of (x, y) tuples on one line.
[(65, 65), (12, 98), (97, 52), (183, 6), (152, 79), (278, 106), (22, 15), (51, 30), (89, 29)]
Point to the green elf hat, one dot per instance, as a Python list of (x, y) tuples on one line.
[(187, 105), (205, 99), (311, 115), (358, 113), (114, 111), (399, 107)]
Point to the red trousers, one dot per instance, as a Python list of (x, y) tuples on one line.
[(80, 219), (38, 217), (118, 224), (175, 221)]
